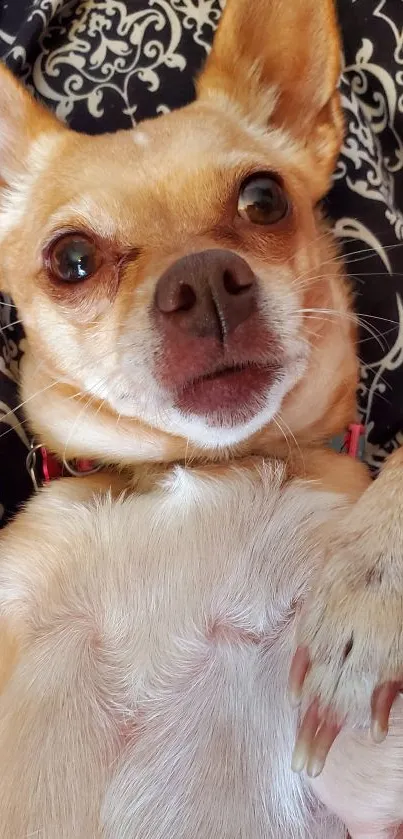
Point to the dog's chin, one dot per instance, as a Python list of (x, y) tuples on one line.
[(229, 397), (217, 410), (226, 409)]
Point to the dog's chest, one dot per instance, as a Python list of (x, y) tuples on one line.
[(163, 625), (199, 587)]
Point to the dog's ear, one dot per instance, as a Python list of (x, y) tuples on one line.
[(22, 122), (278, 62)]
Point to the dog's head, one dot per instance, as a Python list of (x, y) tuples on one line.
[(178, 289)]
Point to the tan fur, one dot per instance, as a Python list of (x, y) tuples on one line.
[(148, 614)]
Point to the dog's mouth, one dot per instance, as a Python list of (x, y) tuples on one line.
[(230, 394)]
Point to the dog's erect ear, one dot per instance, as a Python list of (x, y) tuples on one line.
[(278, 61), (22, 122)]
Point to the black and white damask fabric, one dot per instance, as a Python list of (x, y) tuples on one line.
[(102, 65)]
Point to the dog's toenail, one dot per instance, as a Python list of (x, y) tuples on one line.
[(315, 767), (299, 758), (378, 732)]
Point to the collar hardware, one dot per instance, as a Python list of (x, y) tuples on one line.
[(43, 467)]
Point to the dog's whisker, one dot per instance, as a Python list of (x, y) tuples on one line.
[(87, 404), (284, 435), (30, 398), (17, 423), (281, 419), (317, 313), (9, 325), (361, 252)]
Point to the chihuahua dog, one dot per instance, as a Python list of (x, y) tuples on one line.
[(189, 330)]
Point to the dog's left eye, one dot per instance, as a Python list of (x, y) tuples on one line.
[(262, 200), (73, 258)]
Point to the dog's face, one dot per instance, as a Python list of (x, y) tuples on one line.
[(170, 275)]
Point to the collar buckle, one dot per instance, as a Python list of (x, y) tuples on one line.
[(43, 467)]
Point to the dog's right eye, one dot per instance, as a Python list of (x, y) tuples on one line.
[(73, 258), (262, 200)]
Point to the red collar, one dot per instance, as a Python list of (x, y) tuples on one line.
[(354, 439), (53, 468), (44, 467)]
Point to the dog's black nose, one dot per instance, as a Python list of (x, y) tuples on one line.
[(208, 293)]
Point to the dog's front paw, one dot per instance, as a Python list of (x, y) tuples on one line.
[(348, 667)]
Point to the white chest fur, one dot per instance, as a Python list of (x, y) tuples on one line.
[(166, 621)]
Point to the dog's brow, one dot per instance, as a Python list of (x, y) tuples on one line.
[(236, 159), (84, 211)]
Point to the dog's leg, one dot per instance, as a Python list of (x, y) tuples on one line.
[(58, 737), (56, 740), (349, 665)]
